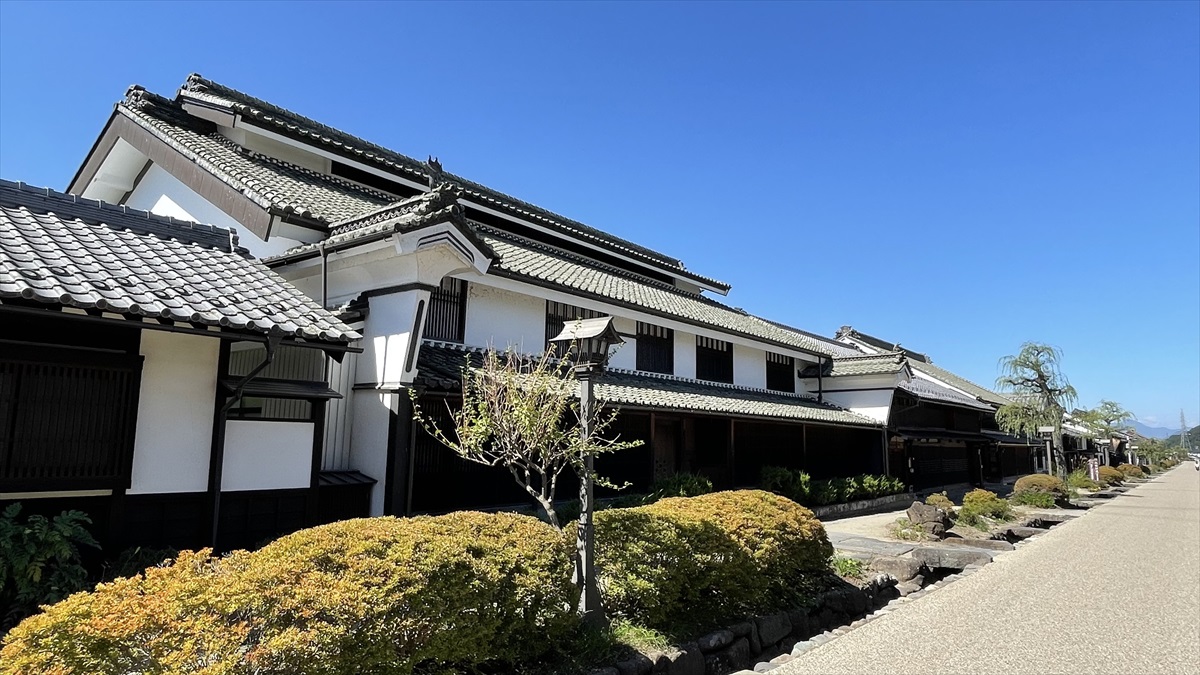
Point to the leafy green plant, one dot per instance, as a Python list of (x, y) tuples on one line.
[(1080, 480), (40, 560), (903, 529), (1042, 500), (680, 485), (980, 506), (847, 568), (799, 486), (940, 500)]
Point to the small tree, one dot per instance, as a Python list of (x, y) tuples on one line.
[(1106, 420), (1040, 392), (523, 414)]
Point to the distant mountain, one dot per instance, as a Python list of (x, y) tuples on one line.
[(1193, 436), (1153, 432)]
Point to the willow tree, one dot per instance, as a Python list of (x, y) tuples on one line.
[(522, 414), (1107, 419), (1040, 393)]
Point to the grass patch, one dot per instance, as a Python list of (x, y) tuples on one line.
[(904, 530), (847, 568), (1043, 500), (1080, 480)]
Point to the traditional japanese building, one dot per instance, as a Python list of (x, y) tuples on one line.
[(158, 377), (431, 267)]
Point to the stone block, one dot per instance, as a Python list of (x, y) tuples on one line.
[(954, 557), (689, 660), (902, 569), (715, 641), (731, 659), (773, 627), (801, 627), (989, 544), (638, 664)]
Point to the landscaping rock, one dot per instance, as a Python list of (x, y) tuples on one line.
[(733, 658), (902, 569), (639, 664), (801, 626), (604, 671), (764, 666), (773, 628), (908, 588), (930, 519), (741, 629), (990, 544), (715, 641), (801, 647), (1024, 532), (689, 660), (954, 557)]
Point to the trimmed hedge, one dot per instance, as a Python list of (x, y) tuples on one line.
[(367, 595), (801, 488), (1110, 476), (1041, 483), (1131, 471), (694, 561)]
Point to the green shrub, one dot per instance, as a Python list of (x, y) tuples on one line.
[(1043, 500), (799, 486), (367, 595), (1080, 480), (1131, 471), (940, 500), (39, 560), (1110, 476), (680, 485), (793, 484), (694, 561), (847, 568), (1040, 482), (979, 505)]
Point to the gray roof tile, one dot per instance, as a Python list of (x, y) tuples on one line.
[(933, 391), (862, 364), (64, 250), (440, 365)]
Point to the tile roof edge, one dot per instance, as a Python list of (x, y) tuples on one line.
[(199, 84), (128, 218)]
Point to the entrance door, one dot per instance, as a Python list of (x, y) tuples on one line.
[(668, 437)]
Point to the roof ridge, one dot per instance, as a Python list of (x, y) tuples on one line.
[(198, 84), (814, 336), (881, 355), (212, 236)]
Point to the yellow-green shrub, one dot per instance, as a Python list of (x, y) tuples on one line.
[(1043, 483), (940, 500), (693, 560), (1131, 471), (1110, 476), (367, 595), (979, 503)]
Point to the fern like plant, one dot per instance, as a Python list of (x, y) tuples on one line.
[(40, 560)]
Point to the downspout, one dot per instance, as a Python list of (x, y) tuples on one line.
[(217, 456), (324, 277), (820, 382)]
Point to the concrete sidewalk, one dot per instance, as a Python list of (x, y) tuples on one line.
[(1114, 591)]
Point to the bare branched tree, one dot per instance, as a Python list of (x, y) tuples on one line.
[(523, 414), (1040, 392)]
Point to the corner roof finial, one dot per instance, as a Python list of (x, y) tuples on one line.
[(435, 171)]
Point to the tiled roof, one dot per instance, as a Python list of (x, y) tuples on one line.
[(286, 121), (63, 250), (528, 259), (861, 364), (924, 364), (271, 183), (440, 365), (933, 391)]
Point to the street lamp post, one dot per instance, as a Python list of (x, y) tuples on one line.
[(588, 341)]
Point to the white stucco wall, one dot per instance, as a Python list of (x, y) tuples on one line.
[(267, 455), (749, 367), (874, 404), (161, 193), (368, 447), (501, 319), (626, 355), (387, 337), (175, 413), (685, 354)]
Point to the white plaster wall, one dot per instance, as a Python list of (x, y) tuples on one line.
[(368, 447), (501, 319), (626, 355), (387, 337), (685, 354), (267, 455), (749, 367), (874, 404), (175, 413), (161, 193)]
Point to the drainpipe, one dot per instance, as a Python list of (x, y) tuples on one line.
[(324, 277), (820, 381), (217, 456)]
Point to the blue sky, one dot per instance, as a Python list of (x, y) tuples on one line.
[(956, 177)]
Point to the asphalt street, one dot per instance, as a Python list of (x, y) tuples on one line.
[(1114, 591)]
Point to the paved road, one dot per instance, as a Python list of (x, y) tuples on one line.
[(1114, 591)]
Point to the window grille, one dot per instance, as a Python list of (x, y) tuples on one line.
[(447, 318), (655, 349), (714, 360), (781, 373)]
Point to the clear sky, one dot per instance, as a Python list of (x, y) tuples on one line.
[(956, 177)]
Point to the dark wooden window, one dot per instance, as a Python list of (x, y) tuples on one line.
[(67, 418), (299, 364), (559, 313), (447, 319), (655, 349), (781, 372), (714, 360)]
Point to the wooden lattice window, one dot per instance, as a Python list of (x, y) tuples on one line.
[(781, 373), (559, 313), (447, 318), (714, 360), (655, 349)]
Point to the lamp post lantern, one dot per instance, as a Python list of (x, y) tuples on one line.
[(587, 342)]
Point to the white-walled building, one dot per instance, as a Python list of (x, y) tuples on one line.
[(158, 377), (430, 266)]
